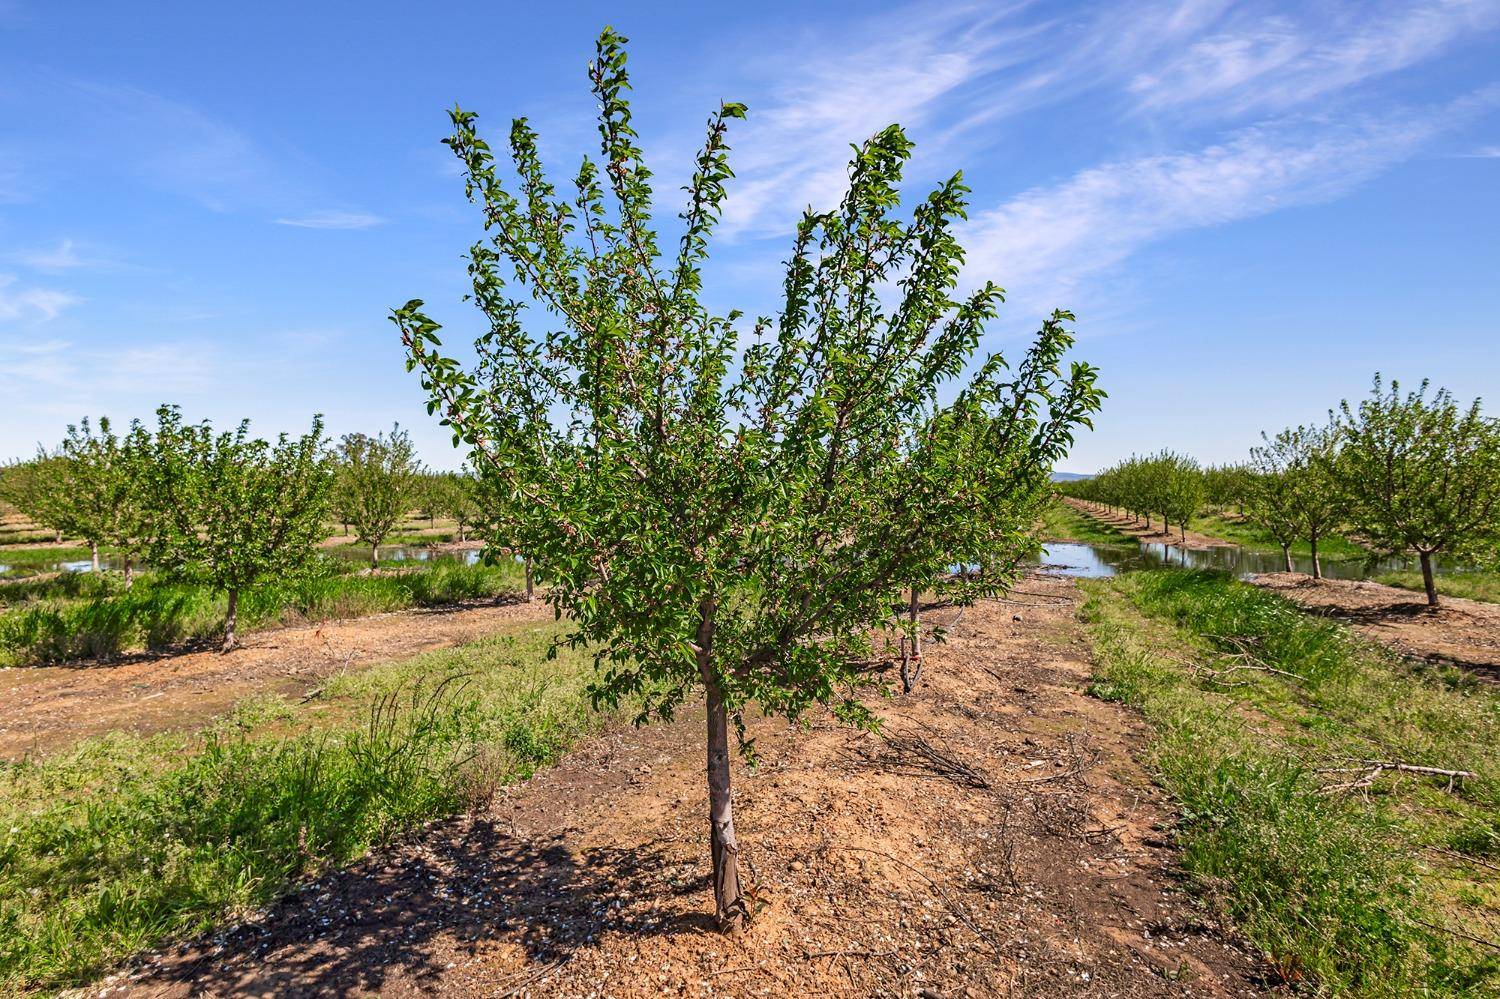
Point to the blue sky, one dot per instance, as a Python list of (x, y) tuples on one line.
[(1250, 206)]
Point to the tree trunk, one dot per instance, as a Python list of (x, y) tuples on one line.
[(911, 654), (346, 528), (1428, 582), (730, 906), (1317, 569), (94, 554), (1183, 528), (229, 619), (1286, 556), (530, 582), (461, 535), (129, 572), (374, 557)]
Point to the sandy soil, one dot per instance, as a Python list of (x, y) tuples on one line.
[(42, 709), (1035, 861), (1155, 535), (1461, 632)]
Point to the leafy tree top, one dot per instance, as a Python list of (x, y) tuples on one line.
[(1419, 472), (378, 479), (233, 509), (741, 517)]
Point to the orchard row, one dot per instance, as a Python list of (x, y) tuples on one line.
[(1411, 473), (225, 508)]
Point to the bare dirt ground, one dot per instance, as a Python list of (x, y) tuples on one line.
[(1002, 842), (45, 708), (1461, 632), (1154, 535)]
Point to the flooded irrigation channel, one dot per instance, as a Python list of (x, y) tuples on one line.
[(1094, 561)]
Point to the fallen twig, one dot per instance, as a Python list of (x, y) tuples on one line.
[(1371, 770), (953, 906), (810, 955), (1458, 933), (938, 762)]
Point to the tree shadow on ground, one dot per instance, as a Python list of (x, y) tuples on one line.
[(462, 888)]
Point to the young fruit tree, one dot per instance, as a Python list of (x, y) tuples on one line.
[(101, 474), (1419, 474), (737, 521), (1182, 489), (378, 480), (233, 511), (1317, 503), (38, 488), (459, 499), (1271, 500)]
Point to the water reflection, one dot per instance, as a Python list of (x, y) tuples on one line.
[(1091, 561), (413, 553), (1070, 558)]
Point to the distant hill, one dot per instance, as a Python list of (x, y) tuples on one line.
[(1070, 476)]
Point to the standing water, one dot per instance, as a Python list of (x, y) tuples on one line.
[(1092, 561)]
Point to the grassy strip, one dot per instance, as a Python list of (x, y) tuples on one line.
[(1469, 585), (125, 843), (1363, 894), (1229, 526), (71, 617), (1061, 522)]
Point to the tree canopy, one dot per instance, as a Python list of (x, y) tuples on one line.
[(378, 481), (233, 510), (1420, 473)]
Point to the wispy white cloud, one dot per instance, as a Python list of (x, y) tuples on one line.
[(1042, 242), (1483, 153), (167, 367), (1242, 138), (63, 256), (175, 145), (792, 153), (955, 76), (1254, 61), (28, 303), (334, 220), (33, 369)]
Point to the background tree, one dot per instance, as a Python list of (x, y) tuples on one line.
[(1271, 500), (429, 492), (740, 528), (378, 479), (1225, 486), (1420, 474), (39, 489), (1181, 489), (1314, 492), (102, 475), (232, 511), (459, 499)]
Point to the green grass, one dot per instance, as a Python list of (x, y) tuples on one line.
[(1360, 894), (1469, 585), (1061, 522), (1229, 526), (125, 843), (71, 617)]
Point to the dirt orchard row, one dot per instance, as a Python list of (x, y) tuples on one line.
[(1040, 865)]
